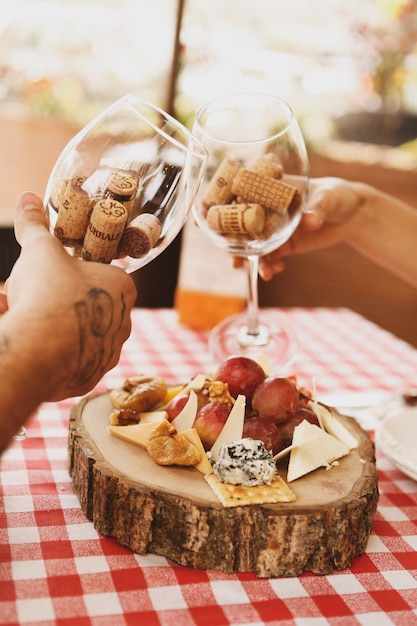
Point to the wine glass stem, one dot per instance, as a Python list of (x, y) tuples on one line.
[(252, 310)]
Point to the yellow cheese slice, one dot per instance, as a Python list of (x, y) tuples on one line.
[(204, 466), (171, 393), (152, 416), (185, 418), (195, 384), (313, 448), (138, 434), (233, 426)]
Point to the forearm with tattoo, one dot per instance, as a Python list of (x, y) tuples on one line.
[(97, 332)]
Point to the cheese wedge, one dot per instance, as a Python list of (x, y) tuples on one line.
[(171, 393), (138, 434), (334, 427), (186, 417), (152, 416), (263, 361), (195, 384), (313, 448), (233, 426), (204, 466)]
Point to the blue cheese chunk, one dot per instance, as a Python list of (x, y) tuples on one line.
[(244, 462)]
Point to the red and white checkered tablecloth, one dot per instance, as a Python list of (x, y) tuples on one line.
[(55, 569)]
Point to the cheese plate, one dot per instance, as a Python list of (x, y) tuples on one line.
[(172, 511)]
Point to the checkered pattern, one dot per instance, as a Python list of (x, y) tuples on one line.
[(55, 569)]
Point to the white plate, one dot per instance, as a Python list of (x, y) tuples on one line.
[(396, 437)]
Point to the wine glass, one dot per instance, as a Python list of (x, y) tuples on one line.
[(123, 187), (249, 204)]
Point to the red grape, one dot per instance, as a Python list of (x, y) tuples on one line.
[(276, 397), (243, 375), (287, 428), (176, 405), (265, 430), (210, 421)]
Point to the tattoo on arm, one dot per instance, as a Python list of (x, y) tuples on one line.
[(95, 316)]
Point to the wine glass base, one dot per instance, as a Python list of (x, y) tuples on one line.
[(20, 435), (275, 347)]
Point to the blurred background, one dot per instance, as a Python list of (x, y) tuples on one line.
[(349, 70)]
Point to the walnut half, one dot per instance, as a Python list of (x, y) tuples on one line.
[(168, 447)]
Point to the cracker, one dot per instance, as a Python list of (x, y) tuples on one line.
[(238, 495)]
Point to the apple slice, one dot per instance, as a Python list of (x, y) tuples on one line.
[(186, 417), (233, 426), (313, 448)]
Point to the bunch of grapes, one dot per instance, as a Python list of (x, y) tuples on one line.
[(275, 405)]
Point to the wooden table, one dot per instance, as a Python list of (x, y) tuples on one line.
[(55, 569)]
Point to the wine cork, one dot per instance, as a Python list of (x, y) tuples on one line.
[(121, 186), (73, 213), (140, 235), (107, 222), (267, 166), (272, 194), (246, 218), (274, 221), (295, 202), (58, 193), (219, 189)]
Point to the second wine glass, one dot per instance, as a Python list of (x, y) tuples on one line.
[(249, 204)]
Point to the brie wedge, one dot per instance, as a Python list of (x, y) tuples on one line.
[(313, 448)]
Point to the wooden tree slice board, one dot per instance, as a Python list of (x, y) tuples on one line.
[(172, 511)]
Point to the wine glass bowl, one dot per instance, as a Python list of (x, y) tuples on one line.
[(123, 187), (250, 203)]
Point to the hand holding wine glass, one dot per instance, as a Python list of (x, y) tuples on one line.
[(249, 204), (123, 187)]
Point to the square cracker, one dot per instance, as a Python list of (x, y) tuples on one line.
[(238, 495)]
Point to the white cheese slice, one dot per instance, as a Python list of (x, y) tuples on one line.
[(195, 384), (138, 434), (233, 426), (263, 361), (185, 418), (313, 448), (334, 427), (204, 466)]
